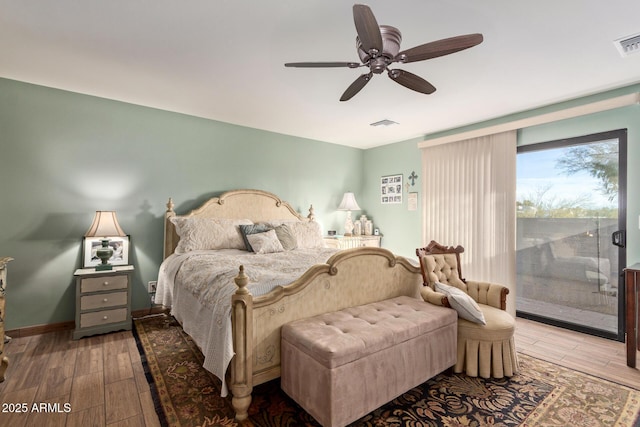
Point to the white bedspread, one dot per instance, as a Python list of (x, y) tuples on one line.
[(198, 286)]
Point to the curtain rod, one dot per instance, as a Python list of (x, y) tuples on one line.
[(568, 113)]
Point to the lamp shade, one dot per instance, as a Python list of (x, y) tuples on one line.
[(349, 203), (105, 224)]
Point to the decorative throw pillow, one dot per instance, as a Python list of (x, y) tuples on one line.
[(265, 243), (208, 233), (286, 237), (249, 229), (308, 234), (466, 307)]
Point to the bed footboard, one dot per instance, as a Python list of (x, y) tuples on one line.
[(349, 278)]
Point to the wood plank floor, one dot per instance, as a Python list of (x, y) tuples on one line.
[(100, 378), (593, 355), (102, 382)]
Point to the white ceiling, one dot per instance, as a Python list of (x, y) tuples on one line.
[(223, 59)]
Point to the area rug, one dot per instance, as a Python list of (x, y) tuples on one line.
[(541, 394)]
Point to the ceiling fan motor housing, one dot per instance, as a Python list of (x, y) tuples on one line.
[(391, 38)]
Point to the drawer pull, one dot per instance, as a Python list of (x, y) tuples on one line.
[(105, 300), (105, 318), (105, 283)]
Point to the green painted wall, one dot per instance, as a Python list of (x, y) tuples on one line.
[(401, 228), (64, 155)]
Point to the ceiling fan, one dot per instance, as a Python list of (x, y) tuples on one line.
[(378, 47)]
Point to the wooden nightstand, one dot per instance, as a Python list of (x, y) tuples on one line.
[(347, 242), (103, 300)]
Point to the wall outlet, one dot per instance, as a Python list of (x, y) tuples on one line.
[(151, 286)]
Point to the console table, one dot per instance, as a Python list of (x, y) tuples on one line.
[(632, 311), (348, 242)]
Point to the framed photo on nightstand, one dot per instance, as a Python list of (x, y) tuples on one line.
[(120, 246)]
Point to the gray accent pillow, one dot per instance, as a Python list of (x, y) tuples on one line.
[(248, 229), (286, 237), (265, 243)]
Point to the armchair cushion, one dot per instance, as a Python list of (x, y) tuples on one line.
[(466, 307)]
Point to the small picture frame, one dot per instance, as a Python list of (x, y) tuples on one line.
[(412, 202), (120, 246)]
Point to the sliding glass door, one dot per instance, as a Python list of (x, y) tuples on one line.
[(570, 232)]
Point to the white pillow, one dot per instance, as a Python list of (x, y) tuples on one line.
[(308, 234), (208, 233), (466, 307), (265, 243)]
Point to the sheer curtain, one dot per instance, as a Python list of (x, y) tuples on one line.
[(469, 199)]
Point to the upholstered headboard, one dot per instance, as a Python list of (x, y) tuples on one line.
[(255, 205)]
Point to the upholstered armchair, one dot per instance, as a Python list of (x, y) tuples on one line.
[(486, 346)]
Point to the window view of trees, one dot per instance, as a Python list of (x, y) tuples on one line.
[(599, 161)]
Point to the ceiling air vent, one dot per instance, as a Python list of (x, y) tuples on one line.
[(628, 45), (385, 122)]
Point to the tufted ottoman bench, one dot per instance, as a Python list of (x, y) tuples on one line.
[(340, 366)]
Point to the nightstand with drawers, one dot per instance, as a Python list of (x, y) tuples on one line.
[(103, 300)]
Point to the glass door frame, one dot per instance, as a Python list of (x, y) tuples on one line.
[(621, 136)]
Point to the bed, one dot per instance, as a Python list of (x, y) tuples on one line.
[(237, 321)]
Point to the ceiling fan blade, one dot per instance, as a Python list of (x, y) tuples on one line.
[(322, 64), (439, 48), (367, 28), (411, 81), (356, 87)]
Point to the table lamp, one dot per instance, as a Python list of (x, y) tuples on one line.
[(348, 204), (105, 225)]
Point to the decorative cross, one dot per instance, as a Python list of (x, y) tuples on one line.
[(413, 178)]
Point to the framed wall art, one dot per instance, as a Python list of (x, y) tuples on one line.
[(412, 201), (120, 246), (391, 189)]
